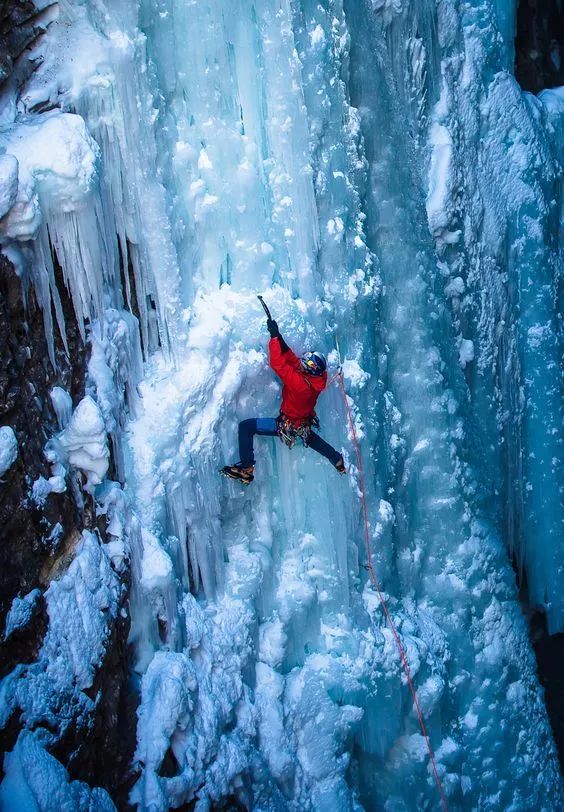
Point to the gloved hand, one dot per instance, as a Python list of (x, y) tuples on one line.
[(272, 327)]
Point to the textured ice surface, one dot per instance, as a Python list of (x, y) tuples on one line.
[(56, 165), (8, 182), (375, 172), (84, 442), (62, 404), (114, 369), (49, 695), (8, 448), (21, 612), (81, 606), (36, 782), (329, 674)]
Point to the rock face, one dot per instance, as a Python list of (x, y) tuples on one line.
[(539, 45), (39, 535), (32, 534), (15, 33), (89, 728), (20, 25)]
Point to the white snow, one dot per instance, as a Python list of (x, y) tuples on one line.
[(56, 158), (466, 352), (355, 376), (438, 197), (455, 287), (317, 36), (82, 606), (114, 370)]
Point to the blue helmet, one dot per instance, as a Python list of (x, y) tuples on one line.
[(314, 363)]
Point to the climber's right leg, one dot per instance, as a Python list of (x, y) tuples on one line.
[(244, 469)]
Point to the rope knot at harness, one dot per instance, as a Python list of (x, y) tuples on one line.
[(403, 657)]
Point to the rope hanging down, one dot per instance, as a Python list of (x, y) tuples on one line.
[(370, 569)]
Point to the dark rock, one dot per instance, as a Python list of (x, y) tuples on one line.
[(549, 653), (26, 379), (21, 23), (539, 44), (95, 735)]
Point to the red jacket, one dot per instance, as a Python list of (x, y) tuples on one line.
[(300, 390)]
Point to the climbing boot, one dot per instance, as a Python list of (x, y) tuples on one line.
[(340, 466), (243, 473)]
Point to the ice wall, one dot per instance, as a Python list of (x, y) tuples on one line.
[(387, 195), (373, 169)]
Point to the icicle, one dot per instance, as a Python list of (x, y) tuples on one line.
[(177, 519), (62, 404)]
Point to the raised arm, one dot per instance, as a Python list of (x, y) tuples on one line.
[(286, 365)]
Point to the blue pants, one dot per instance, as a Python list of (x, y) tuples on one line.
[(266, 427)]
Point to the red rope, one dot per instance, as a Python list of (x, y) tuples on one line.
[(370, 568)]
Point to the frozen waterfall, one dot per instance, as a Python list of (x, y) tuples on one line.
[(372, 168)]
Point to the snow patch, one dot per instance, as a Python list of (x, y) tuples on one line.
[(438, 197), (317, 36), (466, 352)]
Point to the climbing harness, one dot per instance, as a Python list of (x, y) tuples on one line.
[(370, 568), (290, 432)]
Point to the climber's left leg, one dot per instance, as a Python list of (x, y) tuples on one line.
[(335, 457)]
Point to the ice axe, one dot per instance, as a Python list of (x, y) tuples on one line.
[(265, 308)]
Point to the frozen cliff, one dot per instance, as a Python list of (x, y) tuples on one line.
[(373, 169)]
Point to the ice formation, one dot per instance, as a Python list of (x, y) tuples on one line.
[(35, 780), (81, 606), (62, 404), (82, 445), (374, 170), (21, 612), (8, 449)]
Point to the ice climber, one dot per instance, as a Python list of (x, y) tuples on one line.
[(304, 379)]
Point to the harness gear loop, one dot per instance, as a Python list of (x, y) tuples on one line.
[(290, 431), (376, 583)]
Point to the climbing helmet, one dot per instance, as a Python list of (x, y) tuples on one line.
[(314, 363)]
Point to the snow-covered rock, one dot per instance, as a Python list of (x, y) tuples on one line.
[(8, 183), (36, 782), (56, 162), (85, 442), (21, 612)]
